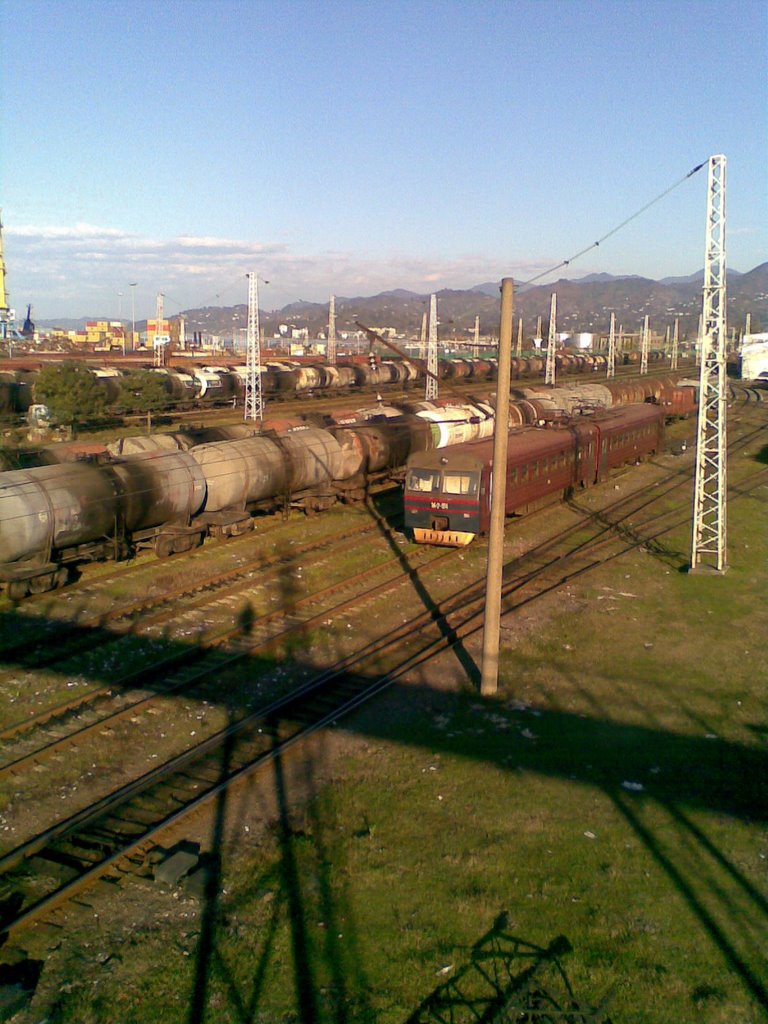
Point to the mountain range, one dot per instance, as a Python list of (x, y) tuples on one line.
[(584, 304)]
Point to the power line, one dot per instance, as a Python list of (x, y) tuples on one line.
[(613, 231)]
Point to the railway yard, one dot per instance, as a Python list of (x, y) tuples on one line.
[(261, 765)]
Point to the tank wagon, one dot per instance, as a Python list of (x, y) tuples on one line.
[(168, 496), (447, 494), (201, 385), (168, 492)]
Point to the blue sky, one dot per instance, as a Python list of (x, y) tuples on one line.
[(353, 147)]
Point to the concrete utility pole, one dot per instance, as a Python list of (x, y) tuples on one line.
[(519, 349), (644, 346), (489, 681), (330, 353), (254, 396), (709, 501), (476, 345), (611, 365), (430, 390), (551, 342), (675, 341)]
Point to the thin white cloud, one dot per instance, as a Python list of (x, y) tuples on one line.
[(81, 270)]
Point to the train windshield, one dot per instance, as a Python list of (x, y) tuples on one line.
[(423, 480), (459, 483)]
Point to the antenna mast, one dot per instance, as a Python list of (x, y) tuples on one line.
[(430, 390), (550, 371), (254, 398), (709, 501), (611, 367), (331, 350)]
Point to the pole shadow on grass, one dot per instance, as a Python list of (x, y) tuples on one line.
[(465, 659), (719, 777)]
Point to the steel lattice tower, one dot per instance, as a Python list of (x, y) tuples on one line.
[(519, 349), (430, 390), (550, 371), (644, 346), (476, 345), (254, 397), (611, 365), (331, 350), (159, 345), (423, 337), (709, 500), (675, 340)]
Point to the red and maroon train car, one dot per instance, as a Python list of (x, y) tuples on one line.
[(448, 490)]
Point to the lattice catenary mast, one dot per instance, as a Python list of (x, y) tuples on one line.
[(430, 390), (254, 396), (644, 346), (476, 343), (550, 371), (519, 348), (675, 342), (709, 500), (331, 351), (161, 339), (611, 364)]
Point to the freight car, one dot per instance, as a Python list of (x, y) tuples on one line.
[(202, 385), (169, 498), (448, 493)]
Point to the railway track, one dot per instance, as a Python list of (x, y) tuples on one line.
[(117, 834), (190, 667), (131, 616)]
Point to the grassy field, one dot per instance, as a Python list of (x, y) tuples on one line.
[(614, 793)]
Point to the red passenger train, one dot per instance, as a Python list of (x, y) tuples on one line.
[(448, 490)]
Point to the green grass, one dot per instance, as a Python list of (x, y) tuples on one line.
[(357, 903)]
